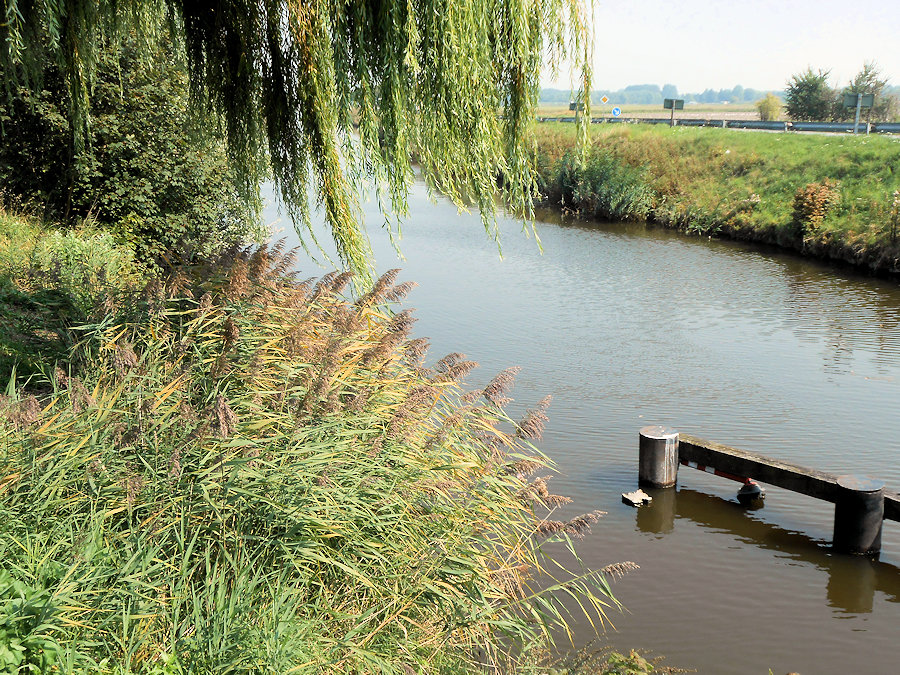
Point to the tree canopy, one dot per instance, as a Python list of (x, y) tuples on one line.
[(869, 80), (155, 175), (808, 96), (333, 93)]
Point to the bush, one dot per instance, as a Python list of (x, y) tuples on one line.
[(769, 108), (151, 172), (259, 476), (604, 187), (809, 97), (812, 203)]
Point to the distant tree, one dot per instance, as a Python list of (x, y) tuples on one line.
[(644, 94), (769, 108), (808, 96), (669, 91), (868, 81), (737, 94)]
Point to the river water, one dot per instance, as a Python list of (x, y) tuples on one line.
[(626, 326)]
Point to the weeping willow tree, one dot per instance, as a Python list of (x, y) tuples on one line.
[(331, 93)]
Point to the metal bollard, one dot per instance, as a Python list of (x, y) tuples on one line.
[(658, 457), (858, 515)]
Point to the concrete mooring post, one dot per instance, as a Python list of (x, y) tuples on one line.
[(658, 457), (858, 515)]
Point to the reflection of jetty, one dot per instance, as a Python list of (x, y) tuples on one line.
[(861, 504), (852, 580)]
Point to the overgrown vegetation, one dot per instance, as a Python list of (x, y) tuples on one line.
[(151, 172), (230, 470), (52, 280), (827, 196)]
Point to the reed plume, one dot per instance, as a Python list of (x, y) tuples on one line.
[(496, 390), (325, 478)]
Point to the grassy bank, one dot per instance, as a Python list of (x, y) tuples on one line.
[(826, 196), (230, 470)]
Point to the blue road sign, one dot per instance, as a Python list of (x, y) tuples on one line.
[(616, 112)]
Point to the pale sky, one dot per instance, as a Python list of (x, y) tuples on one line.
[(699, 44)]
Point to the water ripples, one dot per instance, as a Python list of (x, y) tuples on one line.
[(627, 326)]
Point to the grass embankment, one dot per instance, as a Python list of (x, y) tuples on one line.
[(228, 470), (827, 196)]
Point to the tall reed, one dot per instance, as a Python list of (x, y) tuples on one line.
[(247, 473)]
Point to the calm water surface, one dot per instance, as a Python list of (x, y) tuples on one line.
[(627, 326)]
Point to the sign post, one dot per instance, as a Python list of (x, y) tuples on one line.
[(577, 107), (859, 101), (673, 104)]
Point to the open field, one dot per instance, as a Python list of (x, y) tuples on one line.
[(827, 196), (735, 111)]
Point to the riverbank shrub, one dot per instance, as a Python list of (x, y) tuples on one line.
[(152, 171), (602, 187), (239, 472), (812, 203)]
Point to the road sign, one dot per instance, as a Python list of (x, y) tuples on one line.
[(616, 112), (867, 100), (673, 104), (604, 100)]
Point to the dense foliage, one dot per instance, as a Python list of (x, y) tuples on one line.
[(295, 82), (150, 171), (809, 97), (869, 80), (233, 471)]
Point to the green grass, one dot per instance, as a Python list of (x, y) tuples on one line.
[(742, 184), (51, 280)]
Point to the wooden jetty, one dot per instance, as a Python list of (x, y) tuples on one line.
[(861, 503)]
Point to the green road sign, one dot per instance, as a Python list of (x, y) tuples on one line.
[(868, 100), (674, 104)]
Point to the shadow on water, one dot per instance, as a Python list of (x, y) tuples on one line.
[(852, 580)]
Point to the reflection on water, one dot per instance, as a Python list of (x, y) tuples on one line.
[(626, 325), (852, 580)]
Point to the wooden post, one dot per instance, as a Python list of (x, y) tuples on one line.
[(672, 120), (658, 457), (858, 515)]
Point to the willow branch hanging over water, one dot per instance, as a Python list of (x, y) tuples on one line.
[(332, 93)]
